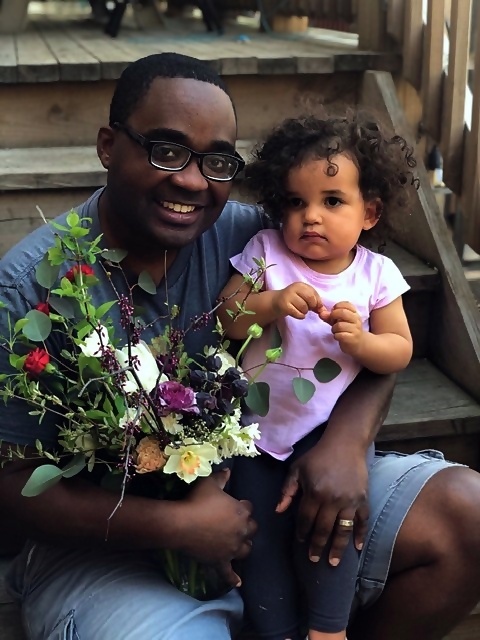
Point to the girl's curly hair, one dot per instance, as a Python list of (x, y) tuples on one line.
[(384, 162)]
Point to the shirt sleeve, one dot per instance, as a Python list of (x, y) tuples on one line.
[(244, 262), (391, 284)]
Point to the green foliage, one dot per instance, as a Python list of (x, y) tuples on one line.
[(38, 327), (304, 389), (258, 398), (326, 370)]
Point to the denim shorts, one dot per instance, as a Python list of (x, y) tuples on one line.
[(81, 594)]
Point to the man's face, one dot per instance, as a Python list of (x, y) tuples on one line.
[(146, 208)]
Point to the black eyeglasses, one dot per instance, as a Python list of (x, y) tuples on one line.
[(170, 156)]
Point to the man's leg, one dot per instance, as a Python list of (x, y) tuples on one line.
[(434, 580), (104, 595)]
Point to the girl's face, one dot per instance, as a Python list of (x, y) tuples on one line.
[(326, 214)]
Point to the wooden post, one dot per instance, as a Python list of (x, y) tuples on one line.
[(13, 15), (454, 95), (433, 68), (372, 26), (412, 42)]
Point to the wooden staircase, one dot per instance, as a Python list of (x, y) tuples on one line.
[(50, 115)]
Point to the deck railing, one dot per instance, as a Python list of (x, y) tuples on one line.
[(435, 37)]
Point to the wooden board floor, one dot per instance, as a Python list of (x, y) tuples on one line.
[(61, 43)]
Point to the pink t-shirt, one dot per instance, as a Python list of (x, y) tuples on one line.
[(372, 281)]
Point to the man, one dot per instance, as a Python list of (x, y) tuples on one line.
[(165, 204)]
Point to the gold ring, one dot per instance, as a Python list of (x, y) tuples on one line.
[(346, 523)]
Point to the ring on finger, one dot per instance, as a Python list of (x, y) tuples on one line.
[(344, 522)]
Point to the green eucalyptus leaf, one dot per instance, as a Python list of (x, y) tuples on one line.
[(20, 324), (103, 308), (146, 283), (66, 307), (114, 255), (46, 273), (76, 464), (326, 370), (258, 398), (38, 327), (73, 219), (303, 389), (42, 479)]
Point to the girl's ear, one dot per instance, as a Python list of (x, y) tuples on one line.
[(373, 211)]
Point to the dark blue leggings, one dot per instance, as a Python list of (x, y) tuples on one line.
[(280, 585)]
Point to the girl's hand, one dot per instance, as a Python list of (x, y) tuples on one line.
[(296, 301), (347, 327)]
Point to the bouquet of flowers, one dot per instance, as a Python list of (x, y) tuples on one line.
[(134, 407)]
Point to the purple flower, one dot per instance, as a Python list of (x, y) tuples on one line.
[(173, 396)]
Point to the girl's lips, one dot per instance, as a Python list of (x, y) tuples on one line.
[(312, 236)]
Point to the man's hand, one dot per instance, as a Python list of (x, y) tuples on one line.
[(216, 528), (334, 485), (347, 327), (296, 301)]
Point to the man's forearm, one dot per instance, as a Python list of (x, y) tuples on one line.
[(78, 512), (360, 411)]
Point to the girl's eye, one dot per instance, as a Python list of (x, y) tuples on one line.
[(295, 203), (333, 201)]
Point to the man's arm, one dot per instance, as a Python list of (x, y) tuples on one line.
[(208, 524), (333, 475)]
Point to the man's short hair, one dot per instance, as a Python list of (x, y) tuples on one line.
[(136, 79)]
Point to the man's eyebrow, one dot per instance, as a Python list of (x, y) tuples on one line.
[(173, 135)]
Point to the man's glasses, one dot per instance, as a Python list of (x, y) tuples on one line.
[(170, 156)]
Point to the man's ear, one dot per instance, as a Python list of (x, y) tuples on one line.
[(105, 139), (373, 211)]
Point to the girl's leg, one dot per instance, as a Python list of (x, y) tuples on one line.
[(269, 588)]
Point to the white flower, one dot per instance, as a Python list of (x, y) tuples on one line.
[(234, 440), (190, 460), (227, 360), (93, 343), (172, 423), (147, 370), (131, 415)]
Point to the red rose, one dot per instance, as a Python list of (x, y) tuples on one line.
[(43, 307), (84, 268), (36, 362)]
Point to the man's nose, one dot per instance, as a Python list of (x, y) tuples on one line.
[(190, 178)]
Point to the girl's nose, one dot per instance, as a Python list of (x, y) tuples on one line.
[(313, 215)]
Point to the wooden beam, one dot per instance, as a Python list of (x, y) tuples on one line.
[(412, 42), (452, 142), (372, 26), (432, 75), (471, 166)]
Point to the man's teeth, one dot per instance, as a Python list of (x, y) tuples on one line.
[(178, 208)]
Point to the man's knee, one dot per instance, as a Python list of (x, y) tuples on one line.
[(444, 519)]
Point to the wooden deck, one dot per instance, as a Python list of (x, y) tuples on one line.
[(61, 43)]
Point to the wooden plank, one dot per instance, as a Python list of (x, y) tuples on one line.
[(8, 59), (420, 276), (412, 42), (426, 403), (471, 164), (75, 63), (432, 74), (371, 22), (52, 168), (455, 334), (454, 96), (36, 63), (13, 15), (395, 19)]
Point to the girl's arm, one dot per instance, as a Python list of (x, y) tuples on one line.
[(386, 348), (296, 300)]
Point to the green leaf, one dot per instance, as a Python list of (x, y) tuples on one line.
[(146, 283), (114, 255), (38, 327), (258, 398), (46, 273), (64, 306), (42, 479), (276, 338), (79, 232), (103, 308), (303, 389), (73, 219), (326, 370), (20, 324), (76, 464)]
